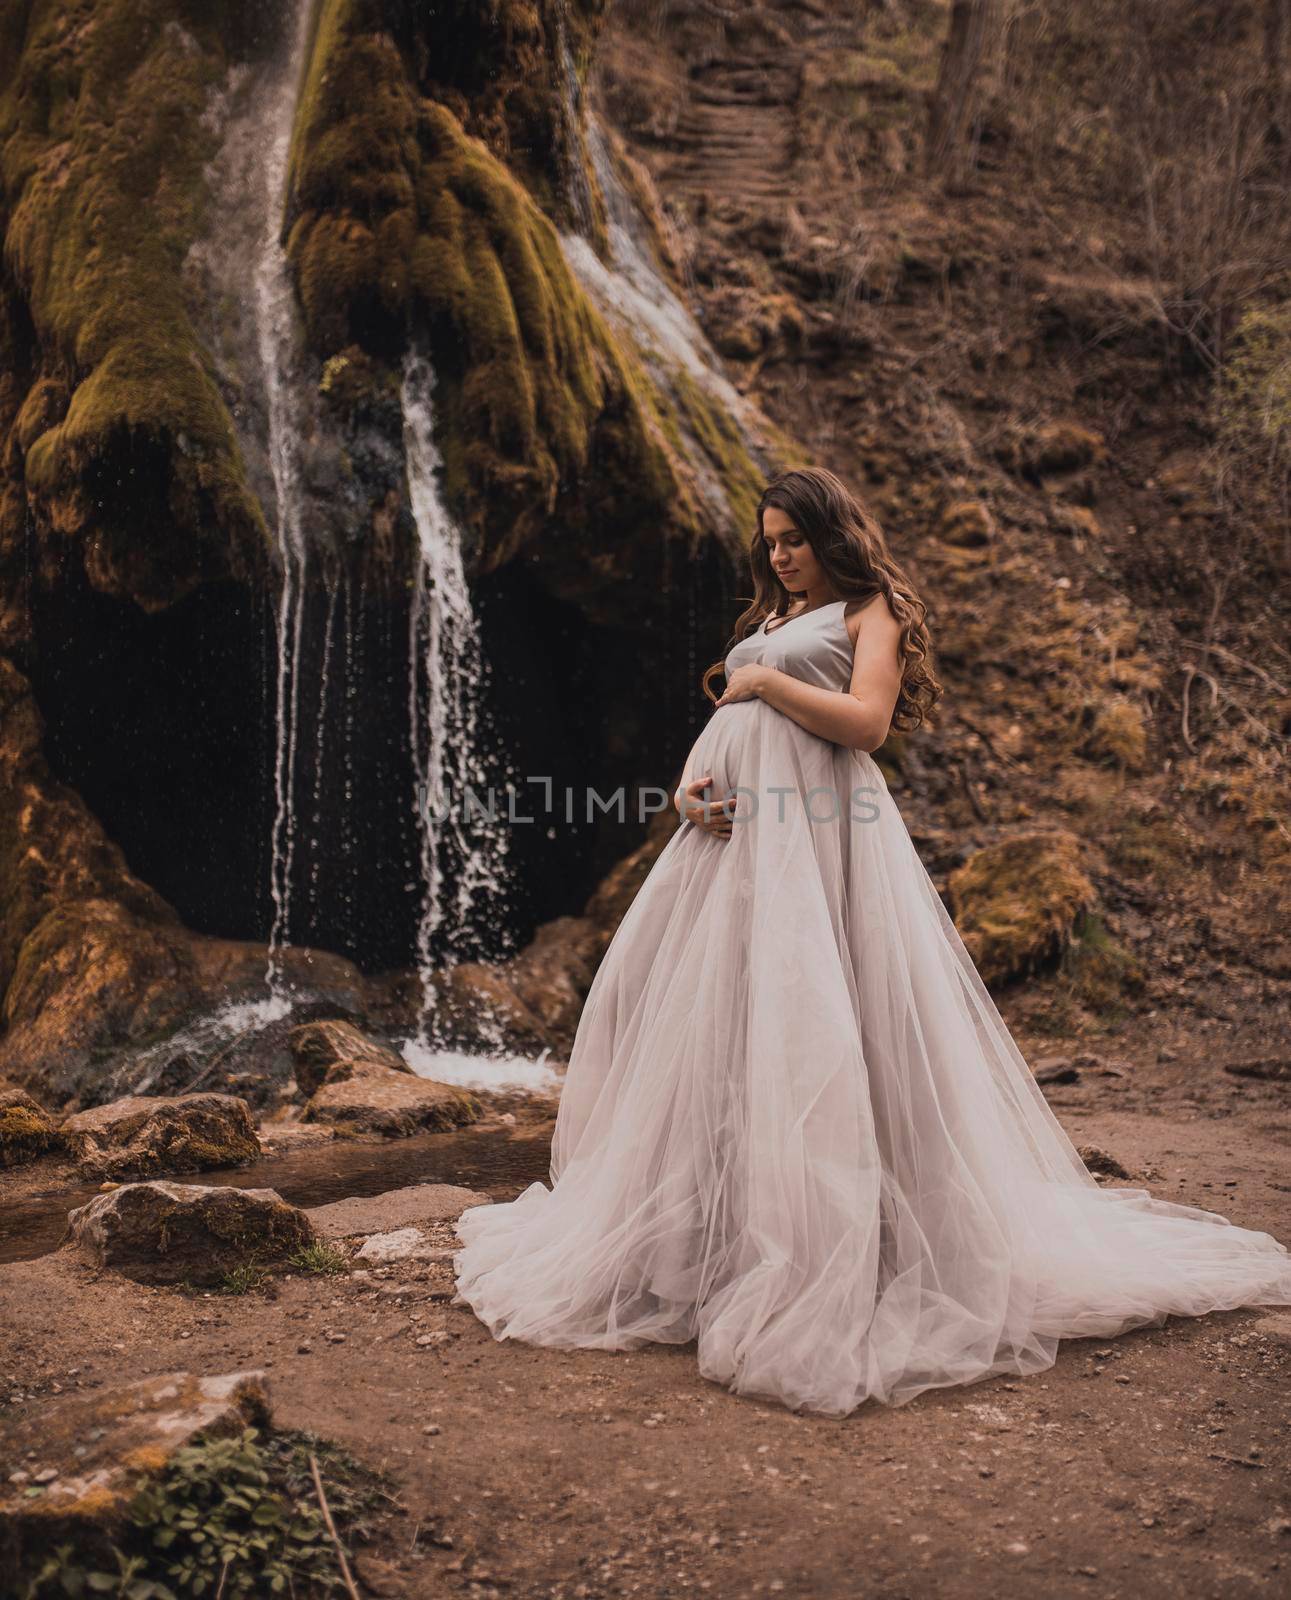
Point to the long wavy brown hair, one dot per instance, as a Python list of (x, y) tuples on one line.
[(847, 541)]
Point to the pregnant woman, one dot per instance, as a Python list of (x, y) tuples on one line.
[(794, 1126)]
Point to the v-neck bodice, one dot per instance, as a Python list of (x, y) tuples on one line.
[(813, 645)]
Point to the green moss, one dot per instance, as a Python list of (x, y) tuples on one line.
[(404, 219), (1099, 969), (1017, 901), (25, 1133), (101, 154), (721, 441)]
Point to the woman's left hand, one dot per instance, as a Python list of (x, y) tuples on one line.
[(745, 683)]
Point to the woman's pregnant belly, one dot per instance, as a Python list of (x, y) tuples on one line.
[(718, 752), (753, 748)]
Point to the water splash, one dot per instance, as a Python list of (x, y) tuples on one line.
[(496, 1073), (461, 832), (200, 1046)]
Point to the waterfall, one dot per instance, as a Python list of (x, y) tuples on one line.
[(446, 673), (636, 297), (334, 643), (278, 337)]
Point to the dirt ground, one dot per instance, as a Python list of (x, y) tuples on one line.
[(1158, 1463)]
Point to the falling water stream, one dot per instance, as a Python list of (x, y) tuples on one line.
[(332, 641), (446, 673), (280, 343)]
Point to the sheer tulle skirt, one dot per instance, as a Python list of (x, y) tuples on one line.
[(795, 1128)]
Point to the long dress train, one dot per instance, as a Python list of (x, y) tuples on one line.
[(796, 1129)]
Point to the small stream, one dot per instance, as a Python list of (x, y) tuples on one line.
[(497, 1162)]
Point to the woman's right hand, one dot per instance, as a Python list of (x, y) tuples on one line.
[(712, 816)]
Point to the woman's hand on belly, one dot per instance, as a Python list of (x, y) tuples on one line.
[(745, 683), (712, 816)]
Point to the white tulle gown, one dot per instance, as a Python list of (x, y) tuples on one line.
[(795, 1128)]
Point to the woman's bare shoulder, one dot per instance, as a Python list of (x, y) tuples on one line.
[(870, 613)]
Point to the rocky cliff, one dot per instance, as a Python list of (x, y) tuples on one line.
[(310, 326)]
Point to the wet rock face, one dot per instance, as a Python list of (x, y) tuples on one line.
[(476, 997), (169, 1233), (550, 977), (88, 1452), (319, 1047), (25, 1130), (553, 973), (371, 1099), (145, 1134), (152, 432)]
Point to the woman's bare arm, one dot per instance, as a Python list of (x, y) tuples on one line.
[(859, 716)]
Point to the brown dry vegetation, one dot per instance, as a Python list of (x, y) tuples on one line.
[(1059, 372)]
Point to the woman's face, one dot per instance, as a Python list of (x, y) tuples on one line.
[(792, 559)]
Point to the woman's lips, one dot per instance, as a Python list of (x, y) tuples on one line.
[(788, 574)]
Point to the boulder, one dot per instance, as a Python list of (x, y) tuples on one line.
[(185, 1233), (1055, 1069), (370, 1099), (552, 974), (146, 1134), (83, 1458), (26, 1131), (550, 977), (318, 1047)]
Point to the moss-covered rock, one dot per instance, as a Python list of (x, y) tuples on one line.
[(435, 156), (369, 1098), (405, 220), (127, 449), (1099, 968), (26, 1131), (97, 1447), (181, 1233), (144, 1135), (317, 1047), (1017, 901)]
